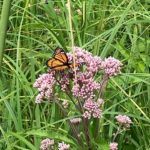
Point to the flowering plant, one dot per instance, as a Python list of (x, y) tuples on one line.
[(82, 89)]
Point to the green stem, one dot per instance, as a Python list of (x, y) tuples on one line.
[(3, 26), (100, 95), (87, 133), (74, 130)]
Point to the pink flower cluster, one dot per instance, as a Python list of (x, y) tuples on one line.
[(46, 144), (111, 66), (123, 120), (92, 109), (44, 84), (64, 82), (84, 86), (63, 146), (113, 146), (93, 63)]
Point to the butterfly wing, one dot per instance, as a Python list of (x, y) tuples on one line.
[(61, 55), (72, 65), (59, 60), (60, 68), (53, 63), (56, 64)]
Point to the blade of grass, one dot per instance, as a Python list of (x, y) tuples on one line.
[(116, 28), (3, 26), (22, 139)]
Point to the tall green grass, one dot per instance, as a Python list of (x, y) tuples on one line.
[(118, 28), (3, 24)]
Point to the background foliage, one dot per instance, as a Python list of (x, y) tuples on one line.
[(118, 28)]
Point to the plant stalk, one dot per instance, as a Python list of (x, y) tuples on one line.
[(3, 27), (74, 130), (87, 133), (96, 121)]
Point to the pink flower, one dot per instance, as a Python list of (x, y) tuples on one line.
[(46, 144), (44, 81), (91, 109), (44, 84), (100, 101), (113, 146), (93, 63), (75, 120), (63, 146), (87, 114), (84, 86), (39, 98), (123, 120), (111, 66), (64, 82), (65, 104)]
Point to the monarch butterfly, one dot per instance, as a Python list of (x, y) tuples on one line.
[(59, 61)]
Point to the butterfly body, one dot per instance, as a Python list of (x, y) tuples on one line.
[(59, 61)]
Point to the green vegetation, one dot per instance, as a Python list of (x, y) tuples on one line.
[(118, 28)]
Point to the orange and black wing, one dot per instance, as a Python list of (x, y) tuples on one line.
[(56, 64), (61, 55), (73, 65), (59, 61)]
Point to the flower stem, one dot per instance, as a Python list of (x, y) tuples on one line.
[(3, 26), (74, 130), (68, 94), (87, 133), (117, 133), (102, 87)]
